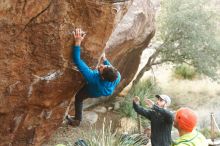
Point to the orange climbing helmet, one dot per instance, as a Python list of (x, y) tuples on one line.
[(186, 119)]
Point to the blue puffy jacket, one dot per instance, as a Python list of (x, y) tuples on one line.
[(95, 86)]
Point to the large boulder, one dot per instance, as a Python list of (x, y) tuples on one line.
[(37, 75), (131, 36), (126, 44)]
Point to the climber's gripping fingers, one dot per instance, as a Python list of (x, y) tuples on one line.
[(79, 35)]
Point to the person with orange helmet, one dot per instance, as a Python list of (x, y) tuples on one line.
[(185, 122)]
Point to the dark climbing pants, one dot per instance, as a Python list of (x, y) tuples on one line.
[(80, 96)]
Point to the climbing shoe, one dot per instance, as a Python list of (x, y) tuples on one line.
[(72, 121)]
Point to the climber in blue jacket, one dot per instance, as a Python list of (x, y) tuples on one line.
[(99, 82)]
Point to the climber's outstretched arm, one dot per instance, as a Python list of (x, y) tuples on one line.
[(87, 73)]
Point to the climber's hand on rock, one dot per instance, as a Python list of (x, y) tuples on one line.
[(103, 58), (79, 35)]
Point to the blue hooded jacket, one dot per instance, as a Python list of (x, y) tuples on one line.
[(95, 85)]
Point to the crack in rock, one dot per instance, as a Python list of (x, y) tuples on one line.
[(11, 87), (17, 120), (46, 114)]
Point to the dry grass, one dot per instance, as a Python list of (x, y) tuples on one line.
[(68, 136)]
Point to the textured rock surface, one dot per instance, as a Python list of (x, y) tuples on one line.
[(36, 72), (130, 38), (90, 117), (100, 109)]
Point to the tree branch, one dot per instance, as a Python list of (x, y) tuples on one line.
[(147, 67)]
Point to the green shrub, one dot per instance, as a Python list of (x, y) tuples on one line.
[(146, 88), (126, 109), (185, 72)]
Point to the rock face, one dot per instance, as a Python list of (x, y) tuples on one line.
[(131, 36), (37, 75)]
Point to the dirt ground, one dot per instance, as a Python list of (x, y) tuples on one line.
[(68, 135)]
